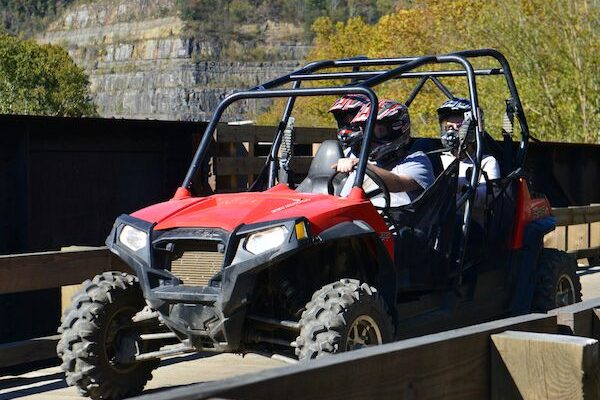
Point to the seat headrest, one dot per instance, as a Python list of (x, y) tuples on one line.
[(328, 154)]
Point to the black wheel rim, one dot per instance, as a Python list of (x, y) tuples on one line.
[(364, 332), (565, 291), (121, 338)]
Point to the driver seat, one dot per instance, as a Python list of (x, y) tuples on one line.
[(320, 170)]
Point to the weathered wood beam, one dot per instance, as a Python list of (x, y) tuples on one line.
[(53, 269), (543, 366), (576, 215), (259, 133)]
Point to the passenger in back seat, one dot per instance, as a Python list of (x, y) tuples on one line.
[(451, 115)]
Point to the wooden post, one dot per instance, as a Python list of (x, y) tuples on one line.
[(544, 366), (595, 234), (250, 149), (578, 237)]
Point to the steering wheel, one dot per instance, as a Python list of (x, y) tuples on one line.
[(380, 189)]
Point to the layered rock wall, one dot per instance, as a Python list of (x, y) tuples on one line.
[(142, 65)]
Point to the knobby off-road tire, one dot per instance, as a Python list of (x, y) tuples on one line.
[(557, 282), (97, 323), (343, 316)]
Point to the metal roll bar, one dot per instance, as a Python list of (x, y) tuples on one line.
[(261, 94), (362, 82)]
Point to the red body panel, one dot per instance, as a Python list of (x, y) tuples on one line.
[(528, 210), (227, 211)]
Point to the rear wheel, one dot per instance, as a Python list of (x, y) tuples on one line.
[(99, 340), (343, 316), (557, 283)]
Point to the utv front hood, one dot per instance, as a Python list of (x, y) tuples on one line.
[(227, 211)]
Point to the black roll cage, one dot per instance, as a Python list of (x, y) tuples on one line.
[(362, 82)]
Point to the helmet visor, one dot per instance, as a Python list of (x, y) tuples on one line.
[(350, 134)]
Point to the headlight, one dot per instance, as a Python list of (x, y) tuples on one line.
[(132, 238), (259, 242)]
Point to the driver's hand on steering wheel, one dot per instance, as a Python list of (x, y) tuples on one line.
[(345, 165)]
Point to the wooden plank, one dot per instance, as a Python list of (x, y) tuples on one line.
[(66, 293), (592, 252), (578, 237), (576, 215), (315, 148), (449, 365), (26, 351), (253, 165), (557, 238), (34, 271), (595, 234), (551, 240), (542, 366), (577, 319), (259, 133)]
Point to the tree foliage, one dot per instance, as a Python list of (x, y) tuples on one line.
[(41, 80), (222, 21), (552, 47), (26, 17)]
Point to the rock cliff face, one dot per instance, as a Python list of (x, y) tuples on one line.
[(142, 65)]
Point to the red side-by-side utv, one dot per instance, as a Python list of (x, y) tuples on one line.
[(294, 269)]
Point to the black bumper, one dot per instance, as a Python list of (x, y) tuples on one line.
[(212, 316)]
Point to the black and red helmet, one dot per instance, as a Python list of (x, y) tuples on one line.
[(395, 119), (344, 110)]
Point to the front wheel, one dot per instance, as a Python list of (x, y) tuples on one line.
[(99, 340), (557, 283), (343, 316)]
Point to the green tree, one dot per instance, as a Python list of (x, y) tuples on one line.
[(555, 47), (41, 80), (552, 47), (222, 22)]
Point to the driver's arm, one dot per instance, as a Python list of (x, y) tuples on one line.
[(394, 182)]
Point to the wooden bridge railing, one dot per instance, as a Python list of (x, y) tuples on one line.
[(47, 270), (577, 232), (527, 357), (241, 152)]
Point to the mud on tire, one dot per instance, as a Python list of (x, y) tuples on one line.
[(335, 312), (557, 282), (99, 320)]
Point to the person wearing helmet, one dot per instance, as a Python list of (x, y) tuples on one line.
[(452, 115), (405, 175), (344, 110)]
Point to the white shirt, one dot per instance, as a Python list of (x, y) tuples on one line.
[(489, 165)]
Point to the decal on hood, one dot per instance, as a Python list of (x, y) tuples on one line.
[(294, 203)]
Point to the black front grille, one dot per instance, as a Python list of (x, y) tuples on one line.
[(197, 267), (189, 255)]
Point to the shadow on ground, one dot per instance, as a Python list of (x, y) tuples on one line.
[(182, 358), (582, 271), (53, 381)]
